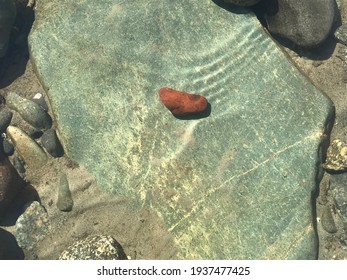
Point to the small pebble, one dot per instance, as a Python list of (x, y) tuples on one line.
[(8, 147), (51, 143), (18, 164), (339, 194), (327, 220), (39, 99), (64, 201), (31, 112), (34, 133), (5, 119), (29, 151), (336, 159), (98, 247), (341, 34)]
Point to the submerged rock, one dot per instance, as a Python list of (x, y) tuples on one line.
[(98, 247), (341, 34), (5, 119), (64, 201), (242, 179), (336, 159), (9, 249), (327, 220), (10, 184), (306, 23), (7, 18), (29, 151), (32, 226), (51, 143), (30, 111)]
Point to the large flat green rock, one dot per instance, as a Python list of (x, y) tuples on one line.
[(234, 185)]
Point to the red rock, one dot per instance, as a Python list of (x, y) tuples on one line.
[(181, 103)]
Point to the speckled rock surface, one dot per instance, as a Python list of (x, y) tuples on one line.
[(336, 159), (32, 226), (234, 185), (98, 247)]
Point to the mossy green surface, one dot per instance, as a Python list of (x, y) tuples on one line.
[(234, 185)]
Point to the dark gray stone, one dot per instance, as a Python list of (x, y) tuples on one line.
[(32, 226), (18, 164), (29, 111), (327, 220), (9, 249), (341, 34), (98, 247), (34, 133), (306, 23), (64, 202), (234, 185), (5, 119), (40, 100), (7, 17), (51, 143), (8, 147), (10, 183), (339, 187)]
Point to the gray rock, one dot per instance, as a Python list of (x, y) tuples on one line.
[(244, 3), (339, 187), (341, 34), (10, 184), (5, 119), (8, 147), (32, 226), (40, 100), (306, 23), (7, 18), (327, 220), (34, 133), (30, 152), (98, 247), (64, 201), (30, 111), (18, 164), (234, 185), (51, 143)]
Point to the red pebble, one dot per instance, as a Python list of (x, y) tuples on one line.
[(181, 103)]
